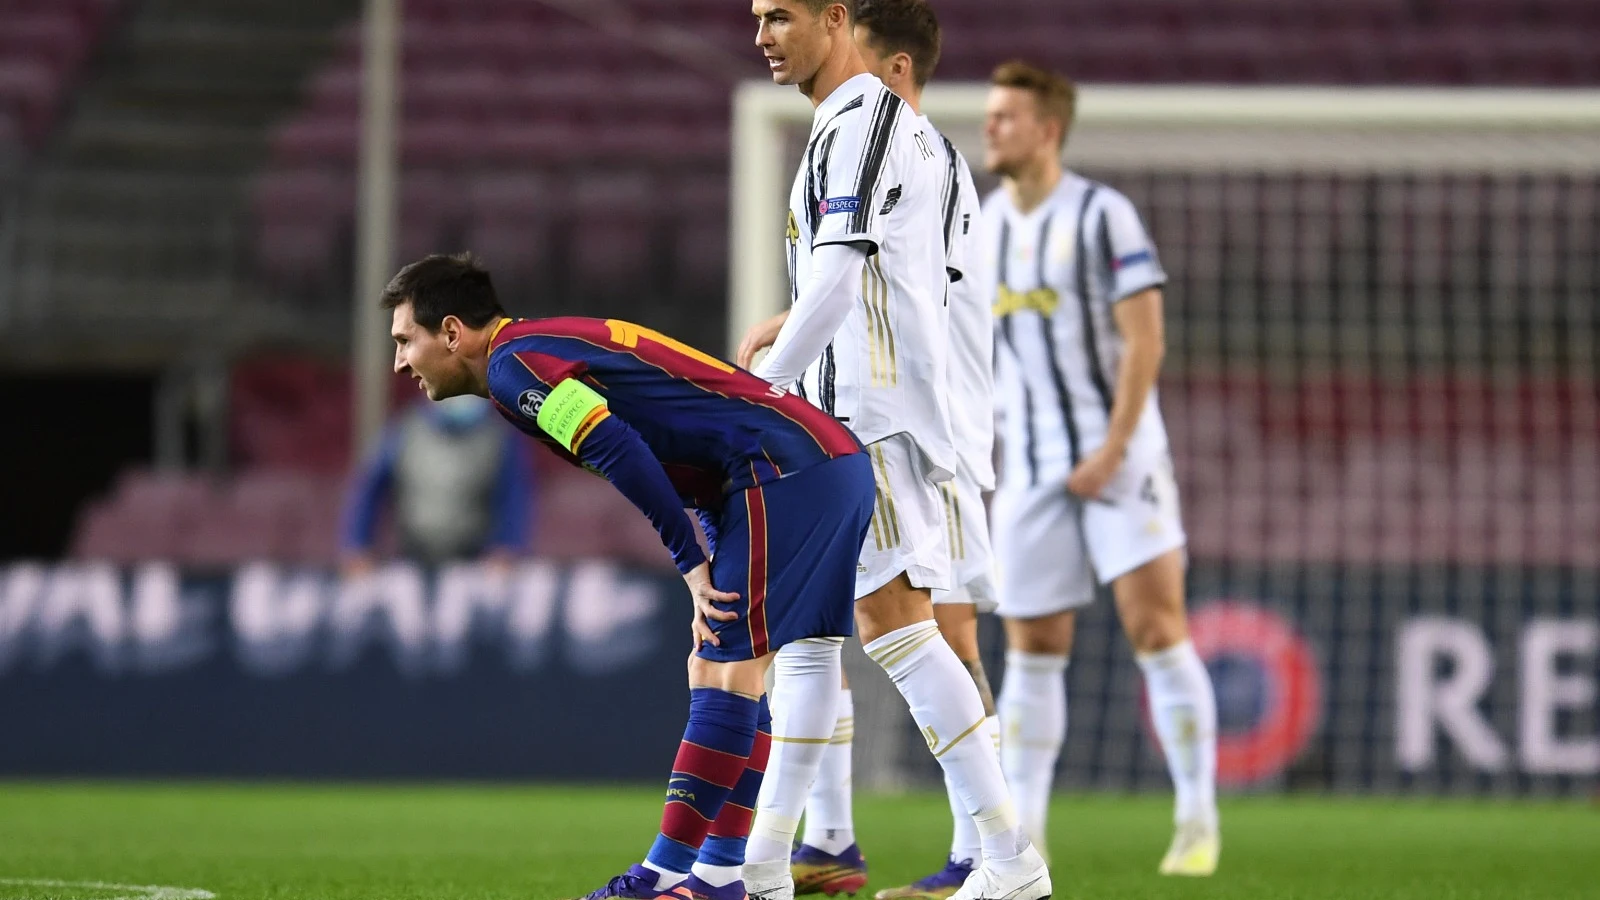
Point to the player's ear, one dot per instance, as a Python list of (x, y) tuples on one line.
[(903, 65), (1059, 134), (452, 328), (838, 16)]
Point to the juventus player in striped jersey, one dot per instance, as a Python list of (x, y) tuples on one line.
[(1086, 489), (866, 339), (899, 41)]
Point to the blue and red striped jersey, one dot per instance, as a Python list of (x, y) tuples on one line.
[(713, 428)]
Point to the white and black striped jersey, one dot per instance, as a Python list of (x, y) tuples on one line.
[(871, 175), (1056, 273), (971, 373)]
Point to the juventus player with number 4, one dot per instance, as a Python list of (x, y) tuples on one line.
[(1086, 489), (866, 340)]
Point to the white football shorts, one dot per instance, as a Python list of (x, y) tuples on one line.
[(967, 535), (1052, 547), (908, 524)]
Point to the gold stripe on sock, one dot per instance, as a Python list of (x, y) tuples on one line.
[(879, 654), (794, 740), (958, 738), (889, 662)]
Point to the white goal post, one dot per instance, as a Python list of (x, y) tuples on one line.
[(1179, 128), (1383, 393)]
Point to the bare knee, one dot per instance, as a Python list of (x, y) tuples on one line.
[(1044, 635), (1151, 631), (892, 607), (958, 622), (1150, 604)]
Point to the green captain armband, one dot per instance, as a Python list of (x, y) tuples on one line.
[(571, 411)]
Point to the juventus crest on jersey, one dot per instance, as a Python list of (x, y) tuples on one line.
[(1056, 273), (872, 175)]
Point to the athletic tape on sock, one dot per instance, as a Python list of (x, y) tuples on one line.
[(995, 821), (773, 827)]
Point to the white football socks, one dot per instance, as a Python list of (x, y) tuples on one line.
[(804, 702), (1184, 708), (830, 824), (965, 842), (716, 876), (665, 880), (945, 704), (1033, 718)]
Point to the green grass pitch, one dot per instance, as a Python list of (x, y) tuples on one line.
[(332, 842)]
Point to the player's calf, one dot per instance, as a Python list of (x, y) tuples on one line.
[(957, 616), (945, 704), (712, 759), (717, 874), (1182, 705)]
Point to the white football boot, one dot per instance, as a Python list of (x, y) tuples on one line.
[(768, 880), (1194, 851), (1024, 877)]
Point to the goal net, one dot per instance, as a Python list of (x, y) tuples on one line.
[(1381, 390)]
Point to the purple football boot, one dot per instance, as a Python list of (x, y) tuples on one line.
[(819, 872), (937, 886), (638, 883)]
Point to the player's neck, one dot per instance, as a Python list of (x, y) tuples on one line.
[(913, 98), (908, 92), (1033, 185), (476, 358), (840, 66)]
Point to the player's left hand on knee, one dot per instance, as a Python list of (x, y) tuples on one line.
[(1091, 477), (706, 599)]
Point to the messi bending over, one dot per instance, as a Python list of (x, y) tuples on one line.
[(784, 494)]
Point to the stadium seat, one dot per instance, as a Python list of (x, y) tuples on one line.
[(148, 515), (229, 539), (700, 235), (51, 38), (29, 92), (614, 231), (509, 225), (506, 86), (433, 208), (114, 532), (302, 216), (512, 144), (290, 413), (44, 44)]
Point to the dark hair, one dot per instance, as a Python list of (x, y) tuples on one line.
[(817, 7), (1057, 96), (904, 26), (445, 285)]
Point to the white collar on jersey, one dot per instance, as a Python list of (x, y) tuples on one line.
[(1066, 187), (844, 93)]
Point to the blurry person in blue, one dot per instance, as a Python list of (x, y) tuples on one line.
[(459, 483)]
